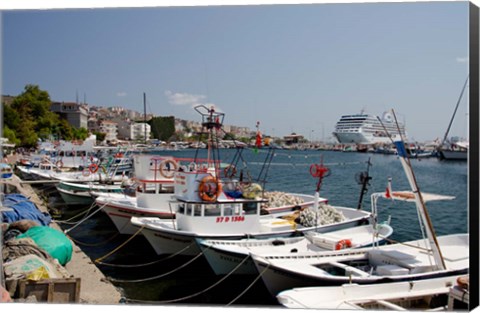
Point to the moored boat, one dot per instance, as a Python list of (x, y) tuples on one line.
[(233, 256), (423, 294)]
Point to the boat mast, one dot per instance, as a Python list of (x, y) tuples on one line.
[(145, 117), (454, 112), (420, 204)]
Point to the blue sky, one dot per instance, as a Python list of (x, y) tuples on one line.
[(294, 68)]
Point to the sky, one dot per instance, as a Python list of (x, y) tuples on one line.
[(291, 67)]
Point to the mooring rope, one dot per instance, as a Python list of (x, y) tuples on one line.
[(67, 221), (159, 276), (84, 219), (195, 294), (120, 246), (249, 286), (93, 244), (170, 256)]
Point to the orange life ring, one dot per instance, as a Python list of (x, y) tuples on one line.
[(168, 168), (343, 244), (93, 168), (209, 189)]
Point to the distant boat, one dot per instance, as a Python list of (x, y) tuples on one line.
[(367, 129), (450, 150), (457, 151)]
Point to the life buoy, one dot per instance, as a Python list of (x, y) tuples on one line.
[(59, 164), (85, 172), (93, 168), (229, 171), (209, 188), (168, 168), (343, 244)]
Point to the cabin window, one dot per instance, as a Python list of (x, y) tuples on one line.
[(250, 208)]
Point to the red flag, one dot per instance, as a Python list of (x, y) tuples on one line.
[(258, 141)]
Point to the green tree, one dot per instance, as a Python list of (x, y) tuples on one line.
[(100, 136), (163, 127), (10, 135), (30, 118), (80, 133)]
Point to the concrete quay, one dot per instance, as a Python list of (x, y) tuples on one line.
[(94, 287)]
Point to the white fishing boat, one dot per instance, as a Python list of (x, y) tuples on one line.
[(48, 170), (154, 190), (233, 256), (423, 294), (64, 154), (209, 206), (153, 193), (85, 193), (427, 258)]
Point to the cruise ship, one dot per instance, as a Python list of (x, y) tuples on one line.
[(366, 129)]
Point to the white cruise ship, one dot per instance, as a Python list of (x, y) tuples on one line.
[(366, 129)]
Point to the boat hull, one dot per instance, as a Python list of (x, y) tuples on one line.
[(454, 155), (120, 211), (166, 239), (226, 257)]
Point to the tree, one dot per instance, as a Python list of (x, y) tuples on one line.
[(10, 135), (163, 127), (29, 118), (100, 136)]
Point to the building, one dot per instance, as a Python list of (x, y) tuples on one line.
[(138, 131), (109, 128), (76, 114), (293, 139)]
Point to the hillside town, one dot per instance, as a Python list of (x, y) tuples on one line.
[(123, 126)]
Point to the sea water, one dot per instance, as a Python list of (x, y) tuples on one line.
[(145, 277)]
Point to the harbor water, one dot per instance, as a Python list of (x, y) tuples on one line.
[(147, 278)]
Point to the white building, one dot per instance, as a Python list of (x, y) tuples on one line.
[(138, 131), (109, 128)]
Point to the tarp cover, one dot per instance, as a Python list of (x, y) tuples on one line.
[(23, 209), (51, 240)]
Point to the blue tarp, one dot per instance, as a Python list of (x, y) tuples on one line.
[(23, 209)]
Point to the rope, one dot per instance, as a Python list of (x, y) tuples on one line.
[(118, 248), (405, 244), (145, 264), (198, 293), (67, 221), (91, 244), (159, 276), (249, 286), (83, 220)]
